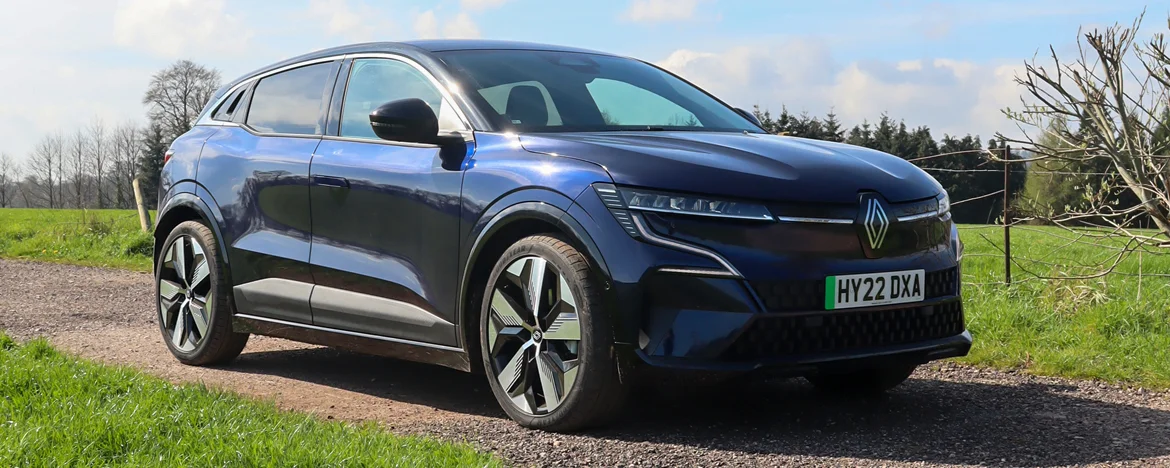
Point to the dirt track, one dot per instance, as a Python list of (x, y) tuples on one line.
[(946, 415)]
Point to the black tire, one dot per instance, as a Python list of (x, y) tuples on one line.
[(597, 395), (867, 382), (219, 344)]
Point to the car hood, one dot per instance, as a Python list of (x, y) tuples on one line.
[(756, 166)]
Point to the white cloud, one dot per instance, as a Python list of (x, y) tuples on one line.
[(426, 26), (177, 28), (341, 20), (910, 65), (650, 11), (949, 96), (462, 27), (482, 4)]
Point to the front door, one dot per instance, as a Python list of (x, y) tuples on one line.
[(385, 219)]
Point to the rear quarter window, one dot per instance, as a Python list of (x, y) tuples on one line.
[(293, 101)]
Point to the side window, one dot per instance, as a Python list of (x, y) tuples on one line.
[(499, 97), (228, 108), (292, 101), (622, 103), (373, 82)]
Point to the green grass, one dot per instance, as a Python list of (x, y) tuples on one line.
[(1115, 328), (83, 237), (59, 411)]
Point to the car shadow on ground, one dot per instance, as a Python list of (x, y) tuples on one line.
[(922, 421)]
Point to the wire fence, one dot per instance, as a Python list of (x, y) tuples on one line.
[(1075, 250)]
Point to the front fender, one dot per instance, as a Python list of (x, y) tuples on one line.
[(531, 204)]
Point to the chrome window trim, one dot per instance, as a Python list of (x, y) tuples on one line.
[(388, 142), (654, 238), (202, 120), (351, 333), (801, 219), (407, 60)]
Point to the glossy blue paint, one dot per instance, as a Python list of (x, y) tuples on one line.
[(393, 232), (742, 165), (184, 161), (391, 221), (261, 186)]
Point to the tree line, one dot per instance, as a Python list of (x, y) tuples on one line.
[(964, 170), (96, 165)]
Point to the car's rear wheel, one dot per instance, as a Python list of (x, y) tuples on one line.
[(866, 382), (546, 341), (194, 302)]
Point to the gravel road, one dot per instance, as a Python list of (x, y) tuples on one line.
[(946, 415)]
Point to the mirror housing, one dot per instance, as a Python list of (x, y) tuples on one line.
[(750, 116), (407, 120), (412, 121)]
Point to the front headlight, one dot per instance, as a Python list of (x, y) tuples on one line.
[(663, 202), (944, 203)]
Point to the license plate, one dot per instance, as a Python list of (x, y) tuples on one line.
[(871, 289)]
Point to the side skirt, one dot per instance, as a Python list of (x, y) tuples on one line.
[(446, 356)]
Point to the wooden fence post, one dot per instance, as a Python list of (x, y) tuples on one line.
[(1007, 227), (143, 213)]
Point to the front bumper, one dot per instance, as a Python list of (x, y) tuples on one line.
[(713, 328), (768, 313)]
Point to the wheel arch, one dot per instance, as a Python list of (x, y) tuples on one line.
[(511, 224), (186, 205)]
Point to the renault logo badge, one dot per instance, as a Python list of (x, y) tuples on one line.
[(877, 224)]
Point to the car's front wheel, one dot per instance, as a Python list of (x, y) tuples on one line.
[(194, 299), (546, 341), (866, 382)]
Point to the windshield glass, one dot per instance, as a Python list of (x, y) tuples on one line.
[(542, 91)]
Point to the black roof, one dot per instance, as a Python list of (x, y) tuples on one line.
[(423, 47), (442, 45)]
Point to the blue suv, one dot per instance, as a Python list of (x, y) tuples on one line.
[(569, 223)]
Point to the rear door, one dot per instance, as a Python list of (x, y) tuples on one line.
[(385, 214), (256, 168)]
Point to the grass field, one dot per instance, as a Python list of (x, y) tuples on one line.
[(84, 237), (1115, 328), (59, 411)]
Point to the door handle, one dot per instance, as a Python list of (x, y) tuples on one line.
[(329, 181)]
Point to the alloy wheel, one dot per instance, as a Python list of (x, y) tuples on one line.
[(534, 335), (184, 291)]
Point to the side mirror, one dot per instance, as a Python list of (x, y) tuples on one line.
[(408, 120), (750, 116), (413, 121)]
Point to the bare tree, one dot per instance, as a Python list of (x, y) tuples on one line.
[(42, 167), (125, 151), (9, 174), (78, 166), (1108, 103), (178, 93), (99, 158)]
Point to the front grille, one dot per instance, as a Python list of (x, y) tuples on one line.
[(807, 295), (942, 283), (786, 336)]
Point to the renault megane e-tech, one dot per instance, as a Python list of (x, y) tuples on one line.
[(569, 223)]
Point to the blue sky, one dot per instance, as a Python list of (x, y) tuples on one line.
[(945, 64)]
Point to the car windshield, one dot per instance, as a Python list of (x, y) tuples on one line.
[(545, 91)]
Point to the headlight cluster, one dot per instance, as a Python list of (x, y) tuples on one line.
[(649, 200)]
